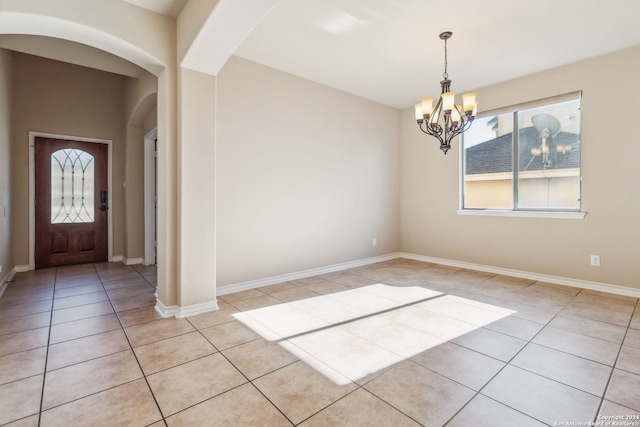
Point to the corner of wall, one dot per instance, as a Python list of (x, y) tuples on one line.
[(6, 163)]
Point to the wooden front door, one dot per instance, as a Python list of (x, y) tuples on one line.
[(71, 222)]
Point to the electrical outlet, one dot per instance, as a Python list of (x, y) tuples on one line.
[(595, 260), (374, 242)]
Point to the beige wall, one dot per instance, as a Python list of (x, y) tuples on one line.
[(6, 234), (560, 247), (59, 98), (140, 113), (151, 121), (196, 187), (306, 175), (133, 236)]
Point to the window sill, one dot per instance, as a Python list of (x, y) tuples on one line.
[(522, 214)]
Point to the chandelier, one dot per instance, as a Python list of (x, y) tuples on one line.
[(456, 119)]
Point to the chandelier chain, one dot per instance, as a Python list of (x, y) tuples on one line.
[(445, 75)]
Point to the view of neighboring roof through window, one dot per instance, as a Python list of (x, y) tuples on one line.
[(524, 158)]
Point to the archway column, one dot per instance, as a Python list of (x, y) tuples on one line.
[(167, 299), (196, 249)]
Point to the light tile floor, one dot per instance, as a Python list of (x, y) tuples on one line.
[(398, 343)]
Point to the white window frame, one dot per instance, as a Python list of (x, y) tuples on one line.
[(515, 211)]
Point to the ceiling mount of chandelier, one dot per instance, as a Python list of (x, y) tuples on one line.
[(446, 120)]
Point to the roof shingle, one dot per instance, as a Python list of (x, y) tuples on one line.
[(496, 155)]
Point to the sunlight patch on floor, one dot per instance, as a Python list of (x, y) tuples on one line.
[(351, 334)]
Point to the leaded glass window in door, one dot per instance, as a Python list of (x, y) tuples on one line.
[(72, 186)]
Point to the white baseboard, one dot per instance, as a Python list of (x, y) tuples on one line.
[(566, 281), (187, 311), (194, 310), (165, 311), (252, 284), (576, 283), (21, 268), (117, 258), (5, 281)]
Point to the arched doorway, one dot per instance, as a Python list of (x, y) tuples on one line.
[(154, 52)]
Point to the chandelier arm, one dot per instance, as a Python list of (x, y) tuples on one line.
[(438, 106), (437, 113), (462, 127), (447, 127), (435, 131)]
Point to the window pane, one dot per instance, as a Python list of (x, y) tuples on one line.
[(488, 163), (72, 186), (549, 156)]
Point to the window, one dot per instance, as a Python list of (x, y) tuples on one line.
[(72, 186), (524, 158)]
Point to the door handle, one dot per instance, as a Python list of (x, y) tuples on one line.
[(103, 208)]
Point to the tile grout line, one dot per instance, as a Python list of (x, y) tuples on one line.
[(358, 386), (508, 363), (612, 366), (46, 357), (144, 376), (49, 344), (362, 386), (249, 381), (406, 359), (606, 388)]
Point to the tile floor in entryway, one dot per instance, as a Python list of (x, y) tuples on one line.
[(397, 343)]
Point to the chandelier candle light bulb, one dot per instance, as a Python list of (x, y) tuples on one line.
[(456, 119), (469, 102), (425, 107), (448, 101), (455, 114)]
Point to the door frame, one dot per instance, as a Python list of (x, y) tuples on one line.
[(32, 189), (150, 202)]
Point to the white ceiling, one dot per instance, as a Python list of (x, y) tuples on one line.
[(389, 50)]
